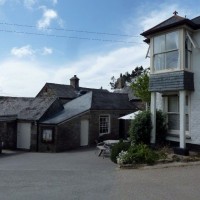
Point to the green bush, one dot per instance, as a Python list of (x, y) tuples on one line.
[(138, 154), (140, 128), (117, 148)]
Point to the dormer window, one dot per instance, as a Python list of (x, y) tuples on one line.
[(166, 51)]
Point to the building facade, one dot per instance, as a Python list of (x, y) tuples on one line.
[(174, 77)]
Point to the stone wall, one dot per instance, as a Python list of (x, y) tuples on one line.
[(33, 137), (8, 132), (67, 134), (114, 123)]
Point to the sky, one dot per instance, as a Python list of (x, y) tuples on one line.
[(53, 40)]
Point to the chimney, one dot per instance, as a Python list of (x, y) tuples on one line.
[(120, 82), (74, 82)]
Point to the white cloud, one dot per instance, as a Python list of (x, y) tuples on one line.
[(20, 78), (93, 70), (163, 12), (47, 51), (48, 16), (25, 78), (25, 51)]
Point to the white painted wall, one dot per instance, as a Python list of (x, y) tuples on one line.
[(23, 135), (195, 96)]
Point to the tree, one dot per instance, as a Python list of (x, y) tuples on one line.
[(141, 85), (126, 78)]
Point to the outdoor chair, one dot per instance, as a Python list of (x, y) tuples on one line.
[(103, 149)]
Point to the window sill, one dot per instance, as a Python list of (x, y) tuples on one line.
[(101, 134), (166, 71), (176, 135)]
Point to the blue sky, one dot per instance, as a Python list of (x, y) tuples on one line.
[(32, 51)]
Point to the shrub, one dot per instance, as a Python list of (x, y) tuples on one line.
[(123, 158), (117, 148), (138, 154), (140, 128)]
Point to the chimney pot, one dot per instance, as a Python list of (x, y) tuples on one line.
[(74, 82)]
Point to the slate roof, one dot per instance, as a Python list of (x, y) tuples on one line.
[(24, 108), (196, 20), (127, 90), (173, 21), (71, 109), (111, 101), (92, 101), (67, 91), (61, 90)]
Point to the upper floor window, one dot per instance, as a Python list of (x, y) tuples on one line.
[(166, 51), (188, 52)]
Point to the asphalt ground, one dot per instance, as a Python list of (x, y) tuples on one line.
[(82, 175)]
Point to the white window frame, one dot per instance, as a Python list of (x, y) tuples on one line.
[(104, 126), (194, 44), (187, 112), (165, 69)]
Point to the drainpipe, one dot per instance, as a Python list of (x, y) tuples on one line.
[(37, 144)]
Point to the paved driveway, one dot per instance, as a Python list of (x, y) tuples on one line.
[(82, 175)]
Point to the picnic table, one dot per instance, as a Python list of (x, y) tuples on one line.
[(105, 146)]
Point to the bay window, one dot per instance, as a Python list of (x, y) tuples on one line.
[(166, 51)]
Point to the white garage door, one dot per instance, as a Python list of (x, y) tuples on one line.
[(23, 135)]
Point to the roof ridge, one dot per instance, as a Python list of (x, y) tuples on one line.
[(174, 16), (17, 97)]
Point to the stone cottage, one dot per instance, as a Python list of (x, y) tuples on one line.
[(92, 116), (63, 117)]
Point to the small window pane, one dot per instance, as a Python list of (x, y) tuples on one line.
[(172, 60), (173, 122), (159, 44), (159, 62), (173, 104), (172, 41), (188, 44)]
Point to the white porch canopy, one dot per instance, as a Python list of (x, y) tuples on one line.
[(130, 116)]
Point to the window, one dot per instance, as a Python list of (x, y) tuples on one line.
[(104, 124), (47, 135), (188, 52), (173, 115), (166, 51)]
